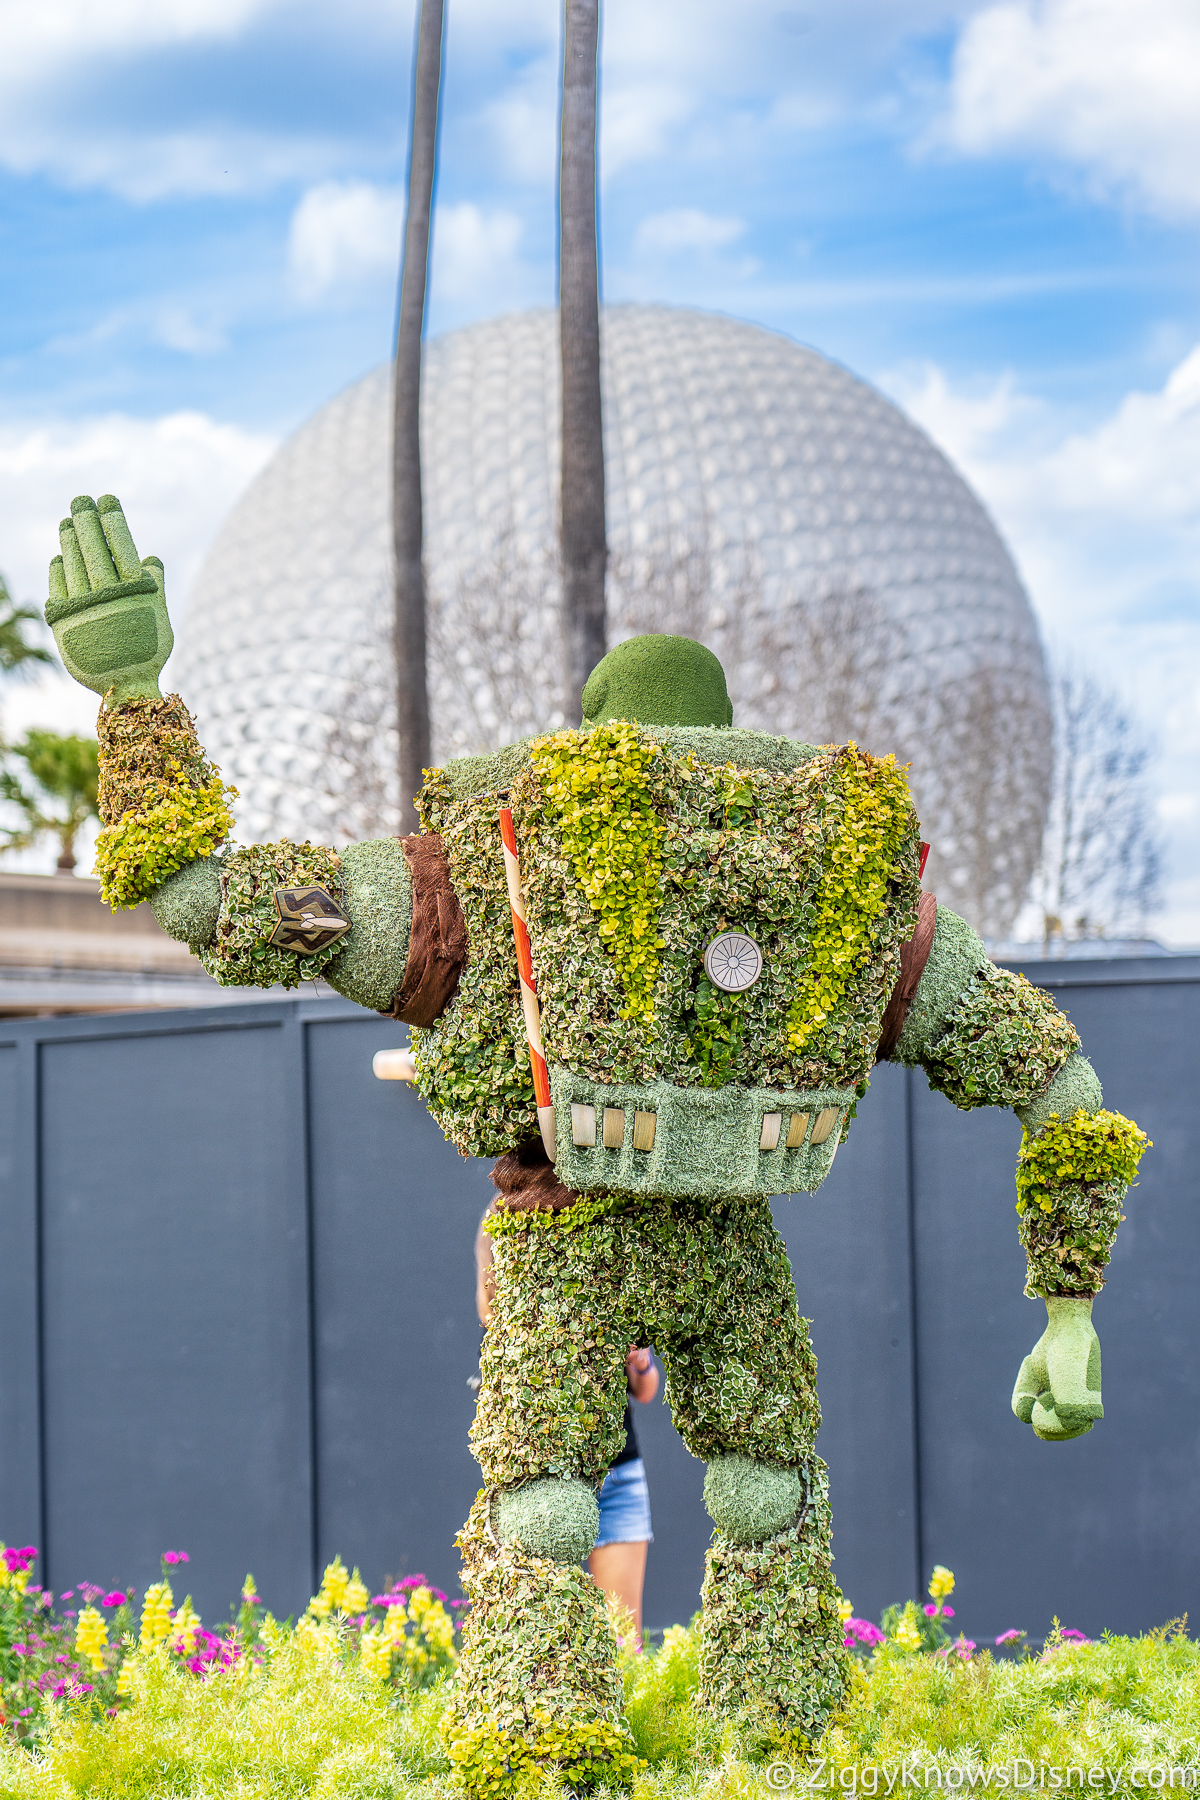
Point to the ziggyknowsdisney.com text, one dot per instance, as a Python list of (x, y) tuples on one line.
[(1019, 1776)]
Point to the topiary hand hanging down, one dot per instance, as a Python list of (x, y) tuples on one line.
[(724, 931)]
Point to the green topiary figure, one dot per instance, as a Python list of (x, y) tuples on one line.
[(720, 933)]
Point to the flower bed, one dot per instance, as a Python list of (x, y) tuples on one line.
[(349, 1702)]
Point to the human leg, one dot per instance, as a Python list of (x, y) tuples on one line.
[(618, 1562)]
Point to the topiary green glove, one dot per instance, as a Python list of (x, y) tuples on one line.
[(107, 609), (1058, 1388)]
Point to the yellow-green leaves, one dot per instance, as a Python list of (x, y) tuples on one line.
[(1071, 1178), (180, 824), (597, 785), (852, 892), (162, 802)]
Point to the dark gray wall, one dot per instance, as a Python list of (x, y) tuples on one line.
[(236, 1318)]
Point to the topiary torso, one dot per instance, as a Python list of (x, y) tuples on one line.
[(637, 845)]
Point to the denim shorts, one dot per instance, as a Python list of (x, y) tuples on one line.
[(625, 1506)]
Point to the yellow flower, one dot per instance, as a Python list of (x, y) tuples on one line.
[(941, 1584), (91, 1637), (156, 1614), (185, 1624), (356, 1598), (125, 1679), (845, 1610), (249, 1591), (908, 1633), (332, 1597)]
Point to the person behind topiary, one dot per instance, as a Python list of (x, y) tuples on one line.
[(727, 931)]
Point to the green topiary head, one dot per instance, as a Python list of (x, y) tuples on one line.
[(658, 680)]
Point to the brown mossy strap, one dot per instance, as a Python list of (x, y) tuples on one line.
[(437, 945), (914, 954), (526, 1182)]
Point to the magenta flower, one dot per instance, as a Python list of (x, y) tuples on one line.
[(116, 1598), (171, 1557), (861, 1631), (947, 1612), (963, 1647), (69, 1595), (17, 1560), (1009, 1637), (1071, 1636)]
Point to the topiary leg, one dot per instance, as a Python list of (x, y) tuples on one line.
[(538, 1681), (741, 1380)]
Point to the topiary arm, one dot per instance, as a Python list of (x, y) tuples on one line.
[(988, 1037), (256, 916)]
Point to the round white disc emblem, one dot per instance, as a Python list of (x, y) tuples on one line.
[(733, 962)]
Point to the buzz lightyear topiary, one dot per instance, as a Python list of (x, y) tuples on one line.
[(648, 966)]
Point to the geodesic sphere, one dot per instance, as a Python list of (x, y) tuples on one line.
[(716, 430)]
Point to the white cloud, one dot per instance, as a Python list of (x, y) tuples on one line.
[(474, 252), (686, 228), (177, 476), (343, 231), (1110, 86), (1105, 527)]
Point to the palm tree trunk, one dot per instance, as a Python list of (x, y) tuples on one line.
[(584, 549), (412, 689)]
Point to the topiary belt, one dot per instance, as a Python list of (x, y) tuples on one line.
[(713, 1143)]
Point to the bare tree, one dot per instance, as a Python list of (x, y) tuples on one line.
[(412, 693), (1101, 865), (582, 528)]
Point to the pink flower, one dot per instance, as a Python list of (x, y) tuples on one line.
[(16, 1560), (931, 1611), (116, 1598), (171, 1557), (1071, 1636), (69, 1595), (861, 1631), (963, 1647), (1010, 1637)]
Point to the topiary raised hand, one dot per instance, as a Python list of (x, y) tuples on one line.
[(107, 609)]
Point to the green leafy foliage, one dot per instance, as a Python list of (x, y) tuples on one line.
[(1004, 1042), (473, 1068), (163, 804), (1071, 1179), (54, 788), (241, 954), (17, 655), (596, 782), (876, 814)]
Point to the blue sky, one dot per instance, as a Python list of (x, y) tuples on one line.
[(991, 210)]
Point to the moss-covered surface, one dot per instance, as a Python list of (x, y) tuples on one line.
[(188, 904), (659, 680), (1076, 1088), (553, 1517), (750, 1501), (377, 899), (1071, 1179), (955, 957), (240, 954)]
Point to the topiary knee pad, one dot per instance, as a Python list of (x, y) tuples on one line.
[(749, 1501), (555, 1517)]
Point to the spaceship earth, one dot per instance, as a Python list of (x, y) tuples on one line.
[(719, 434)]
